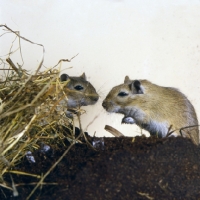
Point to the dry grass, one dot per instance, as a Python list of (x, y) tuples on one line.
[(29, 109)]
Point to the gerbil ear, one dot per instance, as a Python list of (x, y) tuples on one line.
[(127, 80), (64, 77), (83, 76), (136, 85)]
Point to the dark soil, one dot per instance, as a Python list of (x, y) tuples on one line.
[(119, 168)]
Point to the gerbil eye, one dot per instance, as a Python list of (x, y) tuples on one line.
[(122, 94), (78, 87)]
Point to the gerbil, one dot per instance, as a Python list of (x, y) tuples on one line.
[(79, 91), (154, 108)]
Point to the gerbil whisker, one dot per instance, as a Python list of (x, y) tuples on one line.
[(82, 132), (181, 129), (168, 132)]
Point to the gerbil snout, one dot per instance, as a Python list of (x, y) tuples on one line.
[(107, 105), (104, 104), (93, 99)]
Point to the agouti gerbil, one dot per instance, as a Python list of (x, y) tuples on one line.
[(157, 109), (79, 92)]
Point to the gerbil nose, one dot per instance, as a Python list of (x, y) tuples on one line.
[(96, 98), (104, 104)]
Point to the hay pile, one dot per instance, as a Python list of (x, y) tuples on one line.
[(29, 110)]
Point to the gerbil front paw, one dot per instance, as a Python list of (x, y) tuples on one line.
[(128, 120)]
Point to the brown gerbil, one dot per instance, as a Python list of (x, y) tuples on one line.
[(154, 108)]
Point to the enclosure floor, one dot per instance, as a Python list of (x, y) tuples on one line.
[(120, 168)]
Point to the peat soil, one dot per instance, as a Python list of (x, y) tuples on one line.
[(117, 168)]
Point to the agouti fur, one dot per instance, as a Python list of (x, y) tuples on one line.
[(159, 110)]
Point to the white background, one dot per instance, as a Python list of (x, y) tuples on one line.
[(157, 40)]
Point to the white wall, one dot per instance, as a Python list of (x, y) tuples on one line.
[(157, 40)]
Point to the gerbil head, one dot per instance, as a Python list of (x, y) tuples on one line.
[(79, 91), (123, 95)]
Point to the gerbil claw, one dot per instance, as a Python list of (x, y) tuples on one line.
[(128, 120)]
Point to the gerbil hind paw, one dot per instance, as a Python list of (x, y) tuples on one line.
[(128, 120)]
